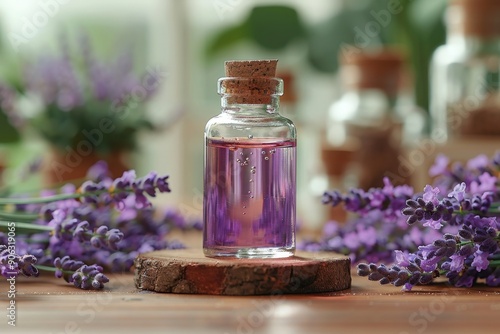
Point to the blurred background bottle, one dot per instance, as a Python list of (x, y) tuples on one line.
[(465, 73), (374, 117), (369, 129)]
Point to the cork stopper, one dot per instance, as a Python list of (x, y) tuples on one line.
[(480, 18), (250, 81), (251, 68), (381, 70)]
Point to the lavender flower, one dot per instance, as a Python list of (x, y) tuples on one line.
[(65, 265), (440, 165), (13, 264), (102, 225), (485, 182), (80, 90), (479, 162), (452, 228), (118, 190), (406, 277), (87, 277), (389, 199), (81, 275), (105, 237), (98, 172)]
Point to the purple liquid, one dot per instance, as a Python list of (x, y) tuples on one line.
[(249, 198)]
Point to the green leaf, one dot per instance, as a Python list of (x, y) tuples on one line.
[(426, 32), (8, 134), (274, 27), (428, 15), (226, 38), (351, 28), (25, 227)]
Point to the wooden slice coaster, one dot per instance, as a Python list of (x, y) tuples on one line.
[(189, 271)]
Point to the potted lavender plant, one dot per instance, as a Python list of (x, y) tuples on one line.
[(92, 110)]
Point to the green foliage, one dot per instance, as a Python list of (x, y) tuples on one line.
[(8, 134), (226, 38), (274, 27), (95, 122), (424, 30), (270, 27), (89, 100), (416, 26)]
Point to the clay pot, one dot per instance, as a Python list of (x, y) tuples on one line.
[(69, 166)]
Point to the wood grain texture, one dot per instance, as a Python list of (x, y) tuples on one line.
[(189, 271), (51, 306)]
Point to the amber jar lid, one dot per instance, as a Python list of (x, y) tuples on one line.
[(479, 18), (380, 69), (336, 159)]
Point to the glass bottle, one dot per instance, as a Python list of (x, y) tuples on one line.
[(465, 73), (370, 118), (249, 167)]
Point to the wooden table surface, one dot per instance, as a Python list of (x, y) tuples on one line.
[(48, 305)]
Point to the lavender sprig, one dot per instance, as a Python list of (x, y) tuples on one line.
[(104, 223), (379, 229), (81, 275), (434, 212), (106, 192), (454, 227), (389, 199), (406, 277), (87, 277), (12, 264), (64, 266)]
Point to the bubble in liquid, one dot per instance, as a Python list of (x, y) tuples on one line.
[(244, 213), (252, 171), (241, 153), (251, 180), (272, 151), (244, 206), (247, 158), (250, 136), (251, 153), (266, 158), (238, 160), (249, 192), (263, 152)]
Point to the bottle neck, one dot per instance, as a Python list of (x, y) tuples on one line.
[(474, 44), (373, 95), (231, 105)]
